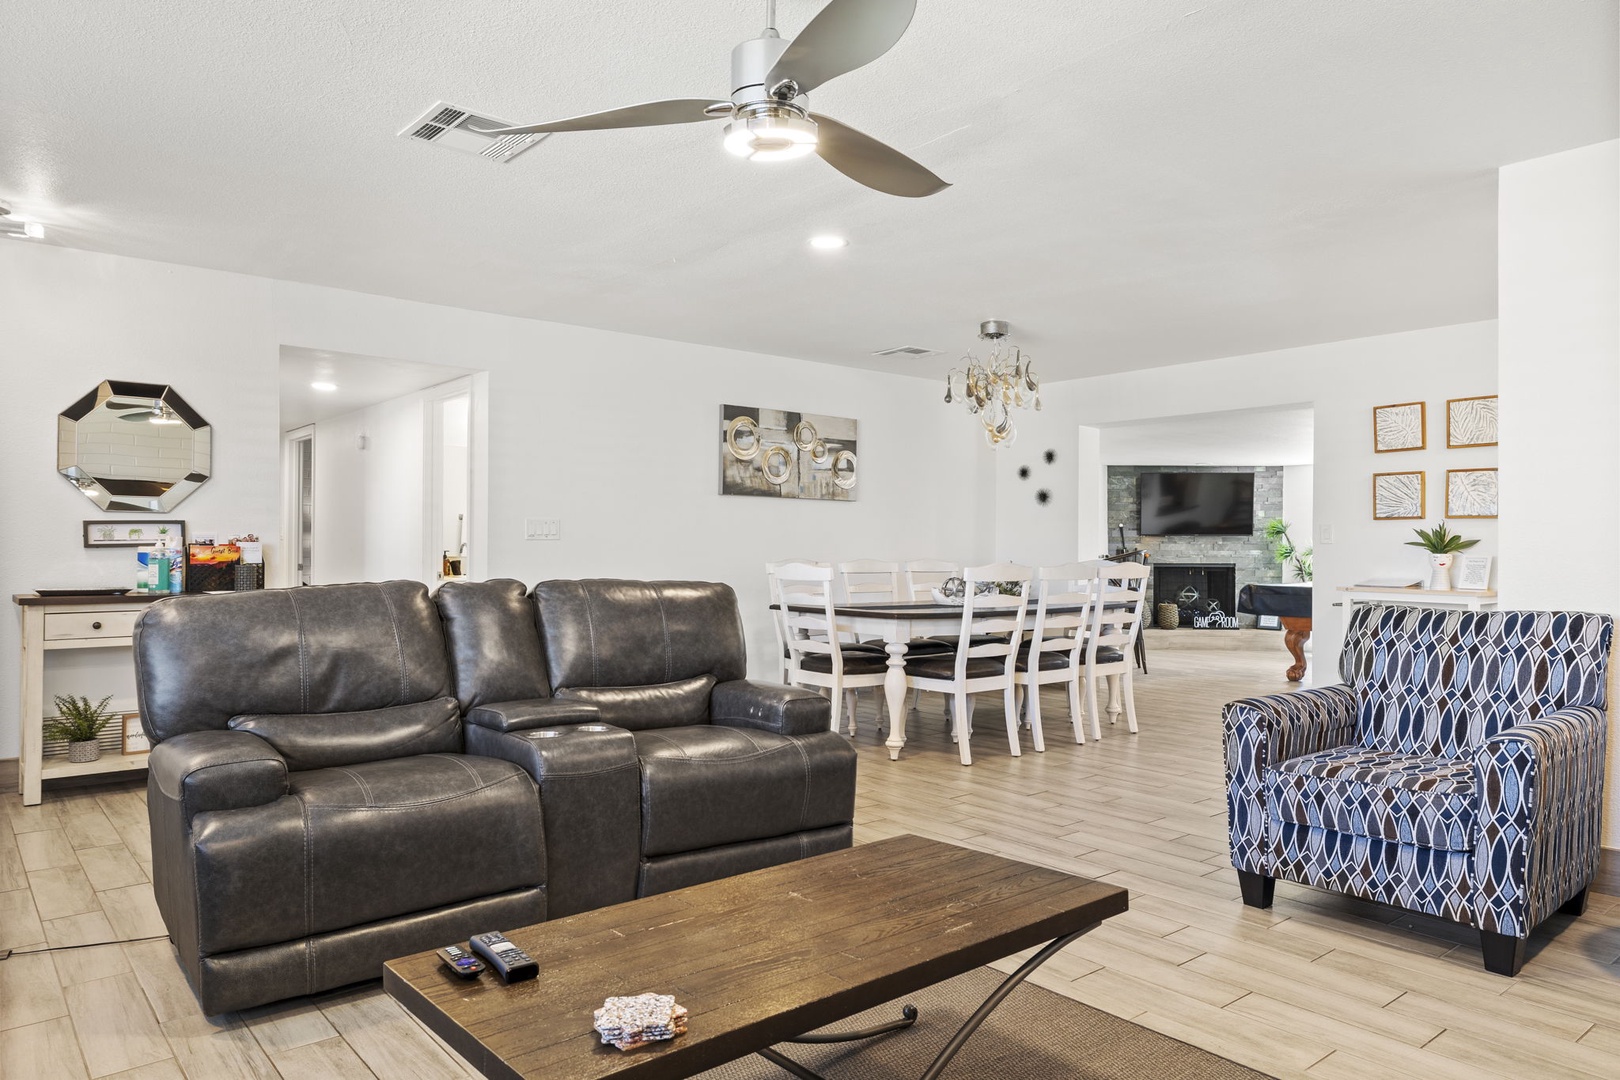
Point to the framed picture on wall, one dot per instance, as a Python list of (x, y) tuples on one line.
[(1471, 421), (1470, 493), (142, 533), (1399, 496), (1400, 427)]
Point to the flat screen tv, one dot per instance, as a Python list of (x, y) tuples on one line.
[(1196, 503)]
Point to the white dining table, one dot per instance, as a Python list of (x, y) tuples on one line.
[(898, 623)]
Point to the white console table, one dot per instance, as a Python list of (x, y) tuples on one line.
[(51, 623), (1412, 596)]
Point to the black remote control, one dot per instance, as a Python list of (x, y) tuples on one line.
[(509, 961), (461, 962)]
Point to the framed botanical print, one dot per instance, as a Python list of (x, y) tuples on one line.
[(1399, 496), (1470, 493), (1400, 427), (1471, 421)]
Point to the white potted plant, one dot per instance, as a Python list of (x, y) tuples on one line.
[(1442, 545), (79, 725)]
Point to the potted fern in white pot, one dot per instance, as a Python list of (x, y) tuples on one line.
[(1442, 545), (79, 724)]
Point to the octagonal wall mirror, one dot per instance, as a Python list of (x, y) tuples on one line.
[(133, 446)]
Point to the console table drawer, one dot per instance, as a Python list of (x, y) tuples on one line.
[(60, 625)]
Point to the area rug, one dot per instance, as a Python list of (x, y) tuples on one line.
[(1035, 1034)]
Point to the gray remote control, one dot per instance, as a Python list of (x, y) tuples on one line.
[(509, 961)]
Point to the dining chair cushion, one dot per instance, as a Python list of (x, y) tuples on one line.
[(974, 642), (924, 646), (876, 648), (1051, 659), (855, 663), (1108, 655), (943, 666)]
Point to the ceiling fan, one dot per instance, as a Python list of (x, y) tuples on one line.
[(767, 119)]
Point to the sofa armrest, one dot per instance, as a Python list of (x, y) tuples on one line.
[(217, 770), (1540, 817), (785, 710), (1262, 731), (532, 713), (589, 777)]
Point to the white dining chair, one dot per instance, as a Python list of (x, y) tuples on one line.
[(816, 656), (997, 621), (1056, 649), (1116, 620), (776, 611), (920, 577)]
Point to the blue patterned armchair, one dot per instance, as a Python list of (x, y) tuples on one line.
[(1458, 771)]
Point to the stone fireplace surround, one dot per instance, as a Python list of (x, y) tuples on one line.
[(1250, 556)]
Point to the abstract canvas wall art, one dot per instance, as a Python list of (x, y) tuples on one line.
[(1399, 496), (1400, 427), (787, 455), (1470, 493), (1471, 421)]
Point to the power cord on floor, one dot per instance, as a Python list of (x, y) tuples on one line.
[(7, 954)]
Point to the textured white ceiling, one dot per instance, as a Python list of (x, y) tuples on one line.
[(1137, 182), (1280, 436)]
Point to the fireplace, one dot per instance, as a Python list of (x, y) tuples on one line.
[(1205, 593)]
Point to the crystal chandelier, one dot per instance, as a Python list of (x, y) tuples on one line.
[(994, 387)]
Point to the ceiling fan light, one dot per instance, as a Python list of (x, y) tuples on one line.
[(768, 137)]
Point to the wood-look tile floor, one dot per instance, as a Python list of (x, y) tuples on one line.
[(1319, 986)]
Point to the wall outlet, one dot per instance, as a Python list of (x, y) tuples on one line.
[(1327, 534), (542, 529)]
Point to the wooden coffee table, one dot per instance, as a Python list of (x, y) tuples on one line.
[(758, 959)]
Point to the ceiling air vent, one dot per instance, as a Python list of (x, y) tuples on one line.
[(456, 128), (907, 350)]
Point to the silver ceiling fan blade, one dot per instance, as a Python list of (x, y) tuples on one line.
[(866, 161), (845, 35), (647, 114)]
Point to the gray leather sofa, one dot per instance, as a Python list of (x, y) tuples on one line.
[(341, 774), (659, 764)]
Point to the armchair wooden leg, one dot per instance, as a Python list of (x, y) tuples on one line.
[(1575, 905), (1504, 955), (1258, 889)]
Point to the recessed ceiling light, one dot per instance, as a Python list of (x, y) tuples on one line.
[(324, 387), (828, 242), (10, 226)]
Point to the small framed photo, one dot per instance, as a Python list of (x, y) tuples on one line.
[(143, 533), (1399, 496), (1474, 572), (1400, 427), (1471, 421), (1470, 493), (135, 740)]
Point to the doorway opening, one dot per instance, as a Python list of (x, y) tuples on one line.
[(383, 468)]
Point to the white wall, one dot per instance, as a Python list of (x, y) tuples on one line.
[(1299, 505), (1559, 277), (369, 502), (1344, 380), (616, 435), (1560, 378)]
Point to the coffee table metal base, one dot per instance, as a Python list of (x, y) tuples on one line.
[(909, 1017)]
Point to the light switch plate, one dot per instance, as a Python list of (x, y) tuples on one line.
[(1327, 534), (542, 529)]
